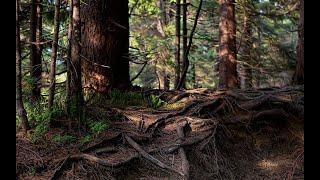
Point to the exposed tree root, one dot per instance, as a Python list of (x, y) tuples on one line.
[(104, 142), (58, 171), (185, 163), (152, 127), (225, 125), (149, 157), (145, 154)]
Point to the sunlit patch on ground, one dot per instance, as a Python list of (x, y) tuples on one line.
[(268, 164)]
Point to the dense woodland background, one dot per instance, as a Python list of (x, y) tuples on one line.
[(84, 67)]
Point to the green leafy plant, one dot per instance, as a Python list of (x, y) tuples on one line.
[(86, 139), (39, 131), (65, 138), (39, 117), (156, 102), (123, 99), (98, 127)]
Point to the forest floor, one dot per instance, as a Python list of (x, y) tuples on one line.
[(199, 134)]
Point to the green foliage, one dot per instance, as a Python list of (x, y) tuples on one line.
[(27, 84), (156, 102), (117, 98), (62, 139), (38, 113), (123, 99), (18, 122), (39, 117), (98, 127), (86, 139), (39, 131)]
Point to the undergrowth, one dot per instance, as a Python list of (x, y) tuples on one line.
[(63, 138), (39, 116), (97, 122), (122, 99)]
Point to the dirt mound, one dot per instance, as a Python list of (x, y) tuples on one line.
[(216, 135)]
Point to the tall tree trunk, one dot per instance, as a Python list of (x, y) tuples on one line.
[(35, 47), (19, 103), (163, 54), (193, 75), (163, 8), (227, 47), (184, 38), (186, 61), (54, 54), (245, 49), (163, 76), (75, 100), (177, 55), (298, 77), (69, 66), (105, 41)]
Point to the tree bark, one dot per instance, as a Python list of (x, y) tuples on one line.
[(69, 66), (35, 48), (184, 39), (298, 77), (54, 54), (75, 100), (105, 41), (19, 103), (163, 54), (193, 75), (177, 55), (186, 61), (245, 48), (227, 47)]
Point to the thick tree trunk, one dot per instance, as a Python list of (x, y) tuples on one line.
[(75, 96), (35, 47), (227, 48), (54, 50), (177, 55), (245, 75), (105, 44), (19, 103), (185, 60), (298, 77), (68, 83)]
